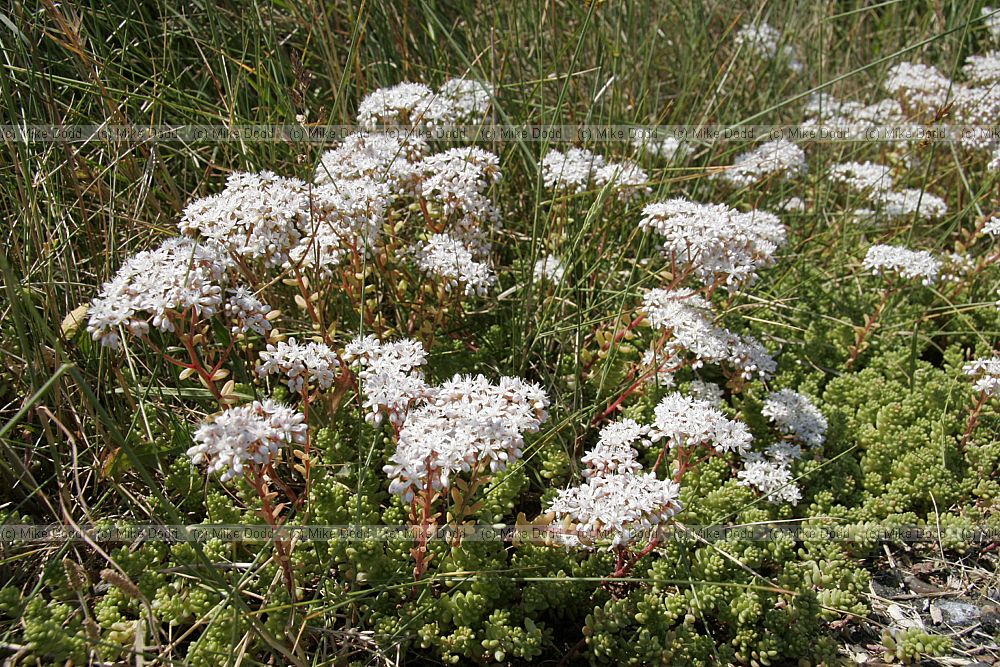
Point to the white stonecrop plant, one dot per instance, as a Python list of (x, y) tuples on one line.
[(160, 289), (908, 264), (715, 242), (251, 433), (303, 367), (578, 170), (466, 425), (779, 159), (796, 416), (257, 216), (617, 500), (390, 376)]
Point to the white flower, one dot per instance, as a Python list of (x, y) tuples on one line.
[(793, 205), (956, 266), (467, 423), (310, 366), (389, 375), (253, 432), (381, 158), (572, 170), (154, 287), (794, 414), (614, 453), (983, 68), (618, 504), (994, 164), (626, 179), (709, 392), (992, 226), (659, 368), (346, 222), (458, 179), (716, 240), (687, 422), (992, 20), (407, 104), (748, 355), (977, 108), (773, 478), (666, 148), (910, 264), (247, 311), (469, 99), (912, 202), (864, 177), (447, 257), (987, 375), (258, 216), (919, 85), (764, 40), (549, 268), (778, 158)]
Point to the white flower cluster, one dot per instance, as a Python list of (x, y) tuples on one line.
[(918, 85), (991, 17), (154, 287), (909, 264), (765, 41), (347, 220), (257, 216), (955, 266), (645, 142), (685, 421), (549, 268), (248, 312), (977, 106), (983, 68), (772, 476), (864, 177), (389, 374), (778, 158), (687, 317), (992, 226), (714, 239), (852, 116), (253, 432), (470, 99), (449, 258), (578, 169), (572, 170), (617, 497), (413, 104), (619, 504), (381, 158), (457, 181), (626, 179), (706, 391), (987, 375), (467, 423), (305, 367), (357, 181), (614, 452), (875, 181), (795, 415)]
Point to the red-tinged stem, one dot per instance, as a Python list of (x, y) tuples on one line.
[(859, 343), (973, 420), (635, 385), (279, 546)]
